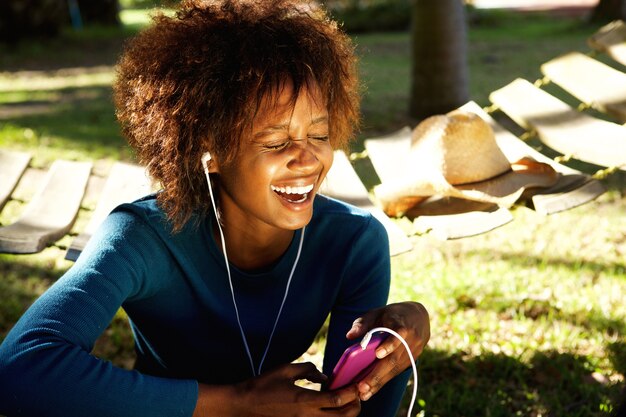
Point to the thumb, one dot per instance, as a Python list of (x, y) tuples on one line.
[(361, 325)]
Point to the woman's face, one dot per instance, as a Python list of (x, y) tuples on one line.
[(281, 164)]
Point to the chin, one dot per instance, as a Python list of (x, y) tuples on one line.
[(298, 223)]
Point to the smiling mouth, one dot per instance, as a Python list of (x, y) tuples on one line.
[(293, 194)]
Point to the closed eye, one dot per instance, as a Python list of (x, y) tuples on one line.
[(323, 138), (276, 146)]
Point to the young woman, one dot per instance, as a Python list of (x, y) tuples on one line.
[(228, 273)]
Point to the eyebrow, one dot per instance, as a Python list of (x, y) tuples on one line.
[(285, 126)]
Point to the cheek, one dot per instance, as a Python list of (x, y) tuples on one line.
[(263, 170), (326, 157)]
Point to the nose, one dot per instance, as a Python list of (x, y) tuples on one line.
[(303, 156)]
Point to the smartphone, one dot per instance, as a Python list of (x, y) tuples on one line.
[(355, 363)]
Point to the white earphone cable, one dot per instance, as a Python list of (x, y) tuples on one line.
[(255, 372), (230, 281), (293, 268), (366, 340)]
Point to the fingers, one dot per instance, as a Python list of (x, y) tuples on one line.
[(410, 320), (383, 372), (361, 325), (305, 370), (352, 409), (343, 401), (391, 343), (358, 329)]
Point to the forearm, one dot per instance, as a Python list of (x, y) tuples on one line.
[(61, 380)]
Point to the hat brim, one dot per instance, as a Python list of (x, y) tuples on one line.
[(397, 197)]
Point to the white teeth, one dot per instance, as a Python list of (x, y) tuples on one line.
[(293, 190)]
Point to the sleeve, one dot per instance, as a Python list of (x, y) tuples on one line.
[(365, 286), (45, 363)]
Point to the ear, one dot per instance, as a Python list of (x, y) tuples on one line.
[(209, 164)]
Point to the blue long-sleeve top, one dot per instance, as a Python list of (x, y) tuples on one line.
[(175, 291)]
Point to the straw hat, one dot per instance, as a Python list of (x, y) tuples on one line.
[(457, 155)]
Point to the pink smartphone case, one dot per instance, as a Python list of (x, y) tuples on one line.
[(354, 364)]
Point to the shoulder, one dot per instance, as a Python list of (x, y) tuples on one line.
[(145, 208), (143, 215), (132, 243), (131, 228)]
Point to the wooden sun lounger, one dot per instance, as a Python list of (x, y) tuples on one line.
[(611, 39), (455, 218), (50, 214), (12, 166), (571, 190), (343, 183), (53, 200), (592, 82), (561, 127), (52, 211), (125, 183)]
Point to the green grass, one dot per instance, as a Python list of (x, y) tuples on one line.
[(531, 313), (527, 320)]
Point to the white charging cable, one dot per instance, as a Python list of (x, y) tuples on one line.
[(366, 340)]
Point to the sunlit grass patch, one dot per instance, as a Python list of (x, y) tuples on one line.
[(534, 308), (138, 18), (40, 81)]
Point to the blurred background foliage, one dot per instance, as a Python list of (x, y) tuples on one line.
[(21, 19)]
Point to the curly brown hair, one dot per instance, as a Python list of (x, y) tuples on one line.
[(194, 81)]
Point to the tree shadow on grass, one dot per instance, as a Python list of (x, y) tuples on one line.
[(82, 121), (549, 384), (26, 277), (617, 355), (524, 260), (92, 47)]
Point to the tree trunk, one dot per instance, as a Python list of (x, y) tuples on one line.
[(608, 10), (102, 12), (440, 74), (21, 19)]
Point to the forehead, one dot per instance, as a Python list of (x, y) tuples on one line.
[(281, 103)]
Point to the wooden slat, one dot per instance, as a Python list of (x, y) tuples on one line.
[(51, 212), (343, 183), (611, 39), (384, 150), (125, 183), (591, 81), (571, 190), (561, 127), (12, 166), (456, 226), (556, 201)]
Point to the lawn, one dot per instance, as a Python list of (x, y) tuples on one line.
[(526, 320)]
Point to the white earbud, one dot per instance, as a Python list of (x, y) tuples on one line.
[(206, 157)]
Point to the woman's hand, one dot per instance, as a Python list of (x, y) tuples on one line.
[(274, 394), (410, 320)]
